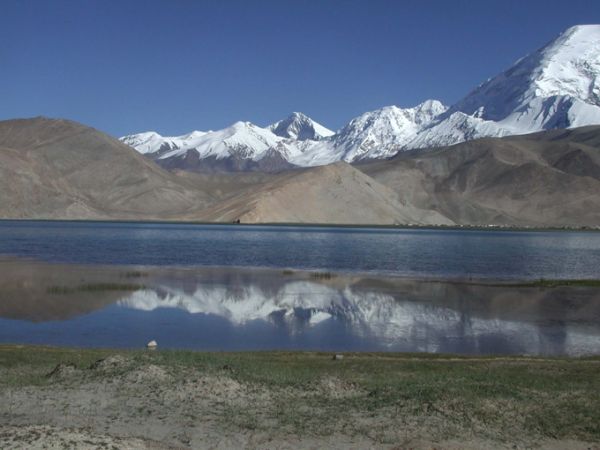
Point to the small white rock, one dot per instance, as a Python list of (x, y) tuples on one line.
[(152, 344), (338, 356)]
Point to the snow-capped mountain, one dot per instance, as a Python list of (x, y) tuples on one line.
[(153, 143), (382, 133), (241, 146), (242, 138), (557, 86), (298, 140), (457, 127), (300, 127), (285, 140)]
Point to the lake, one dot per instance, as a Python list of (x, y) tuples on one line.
[(419, 253), (231, 288)]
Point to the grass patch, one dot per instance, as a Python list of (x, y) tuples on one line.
[(134, 274), (377, 395), (93, 287), (542, 282), (322, 275)]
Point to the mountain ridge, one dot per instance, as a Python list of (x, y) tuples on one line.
[(556, 86), (58, 169)]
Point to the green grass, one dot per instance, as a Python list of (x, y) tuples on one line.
[(134, 274), (555, 283), (322, 275), (497, 397), (25, 365), (93, 287)]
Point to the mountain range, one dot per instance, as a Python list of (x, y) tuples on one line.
[(469, 164), (555, 87), (58, 169)]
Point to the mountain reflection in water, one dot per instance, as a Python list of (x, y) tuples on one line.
[(246, 309), (404, 316)]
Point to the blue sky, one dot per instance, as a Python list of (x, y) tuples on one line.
[(174, 66)]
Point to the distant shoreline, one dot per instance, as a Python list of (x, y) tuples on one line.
[(318, 225)]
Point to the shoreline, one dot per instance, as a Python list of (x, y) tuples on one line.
[(399, 227)]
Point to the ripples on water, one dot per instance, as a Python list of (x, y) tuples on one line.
[(416, 253)]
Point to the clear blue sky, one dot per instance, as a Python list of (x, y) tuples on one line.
[(174, 66)]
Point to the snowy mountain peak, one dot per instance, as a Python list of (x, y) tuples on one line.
[(383, 132), (240, 125), (150, 142), (556, 86), (428, 110), (300, 127), (193, 135)]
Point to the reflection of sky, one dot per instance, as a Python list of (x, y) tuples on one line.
[(423, 253)]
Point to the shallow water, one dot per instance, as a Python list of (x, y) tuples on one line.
[(216, 309), (411, 253)]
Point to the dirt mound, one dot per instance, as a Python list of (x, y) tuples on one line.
[(111, 363), (333, 387), (148, 374), (217, 387), (62, 370), (53, 438)]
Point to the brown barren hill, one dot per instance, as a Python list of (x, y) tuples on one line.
[(61, 169), (336, 193), (543, 179)]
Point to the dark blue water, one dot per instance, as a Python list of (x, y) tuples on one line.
[(418, 253)]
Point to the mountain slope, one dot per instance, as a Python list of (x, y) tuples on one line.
[(337, 193), (61, 169), (549, 178), (554, 87), (382, 133)]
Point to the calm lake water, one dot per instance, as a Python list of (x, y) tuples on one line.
[(183, 300), (413, 253), (216, 309)]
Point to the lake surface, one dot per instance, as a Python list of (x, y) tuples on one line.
[(411, 253), (220, 309), (200, 287)]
